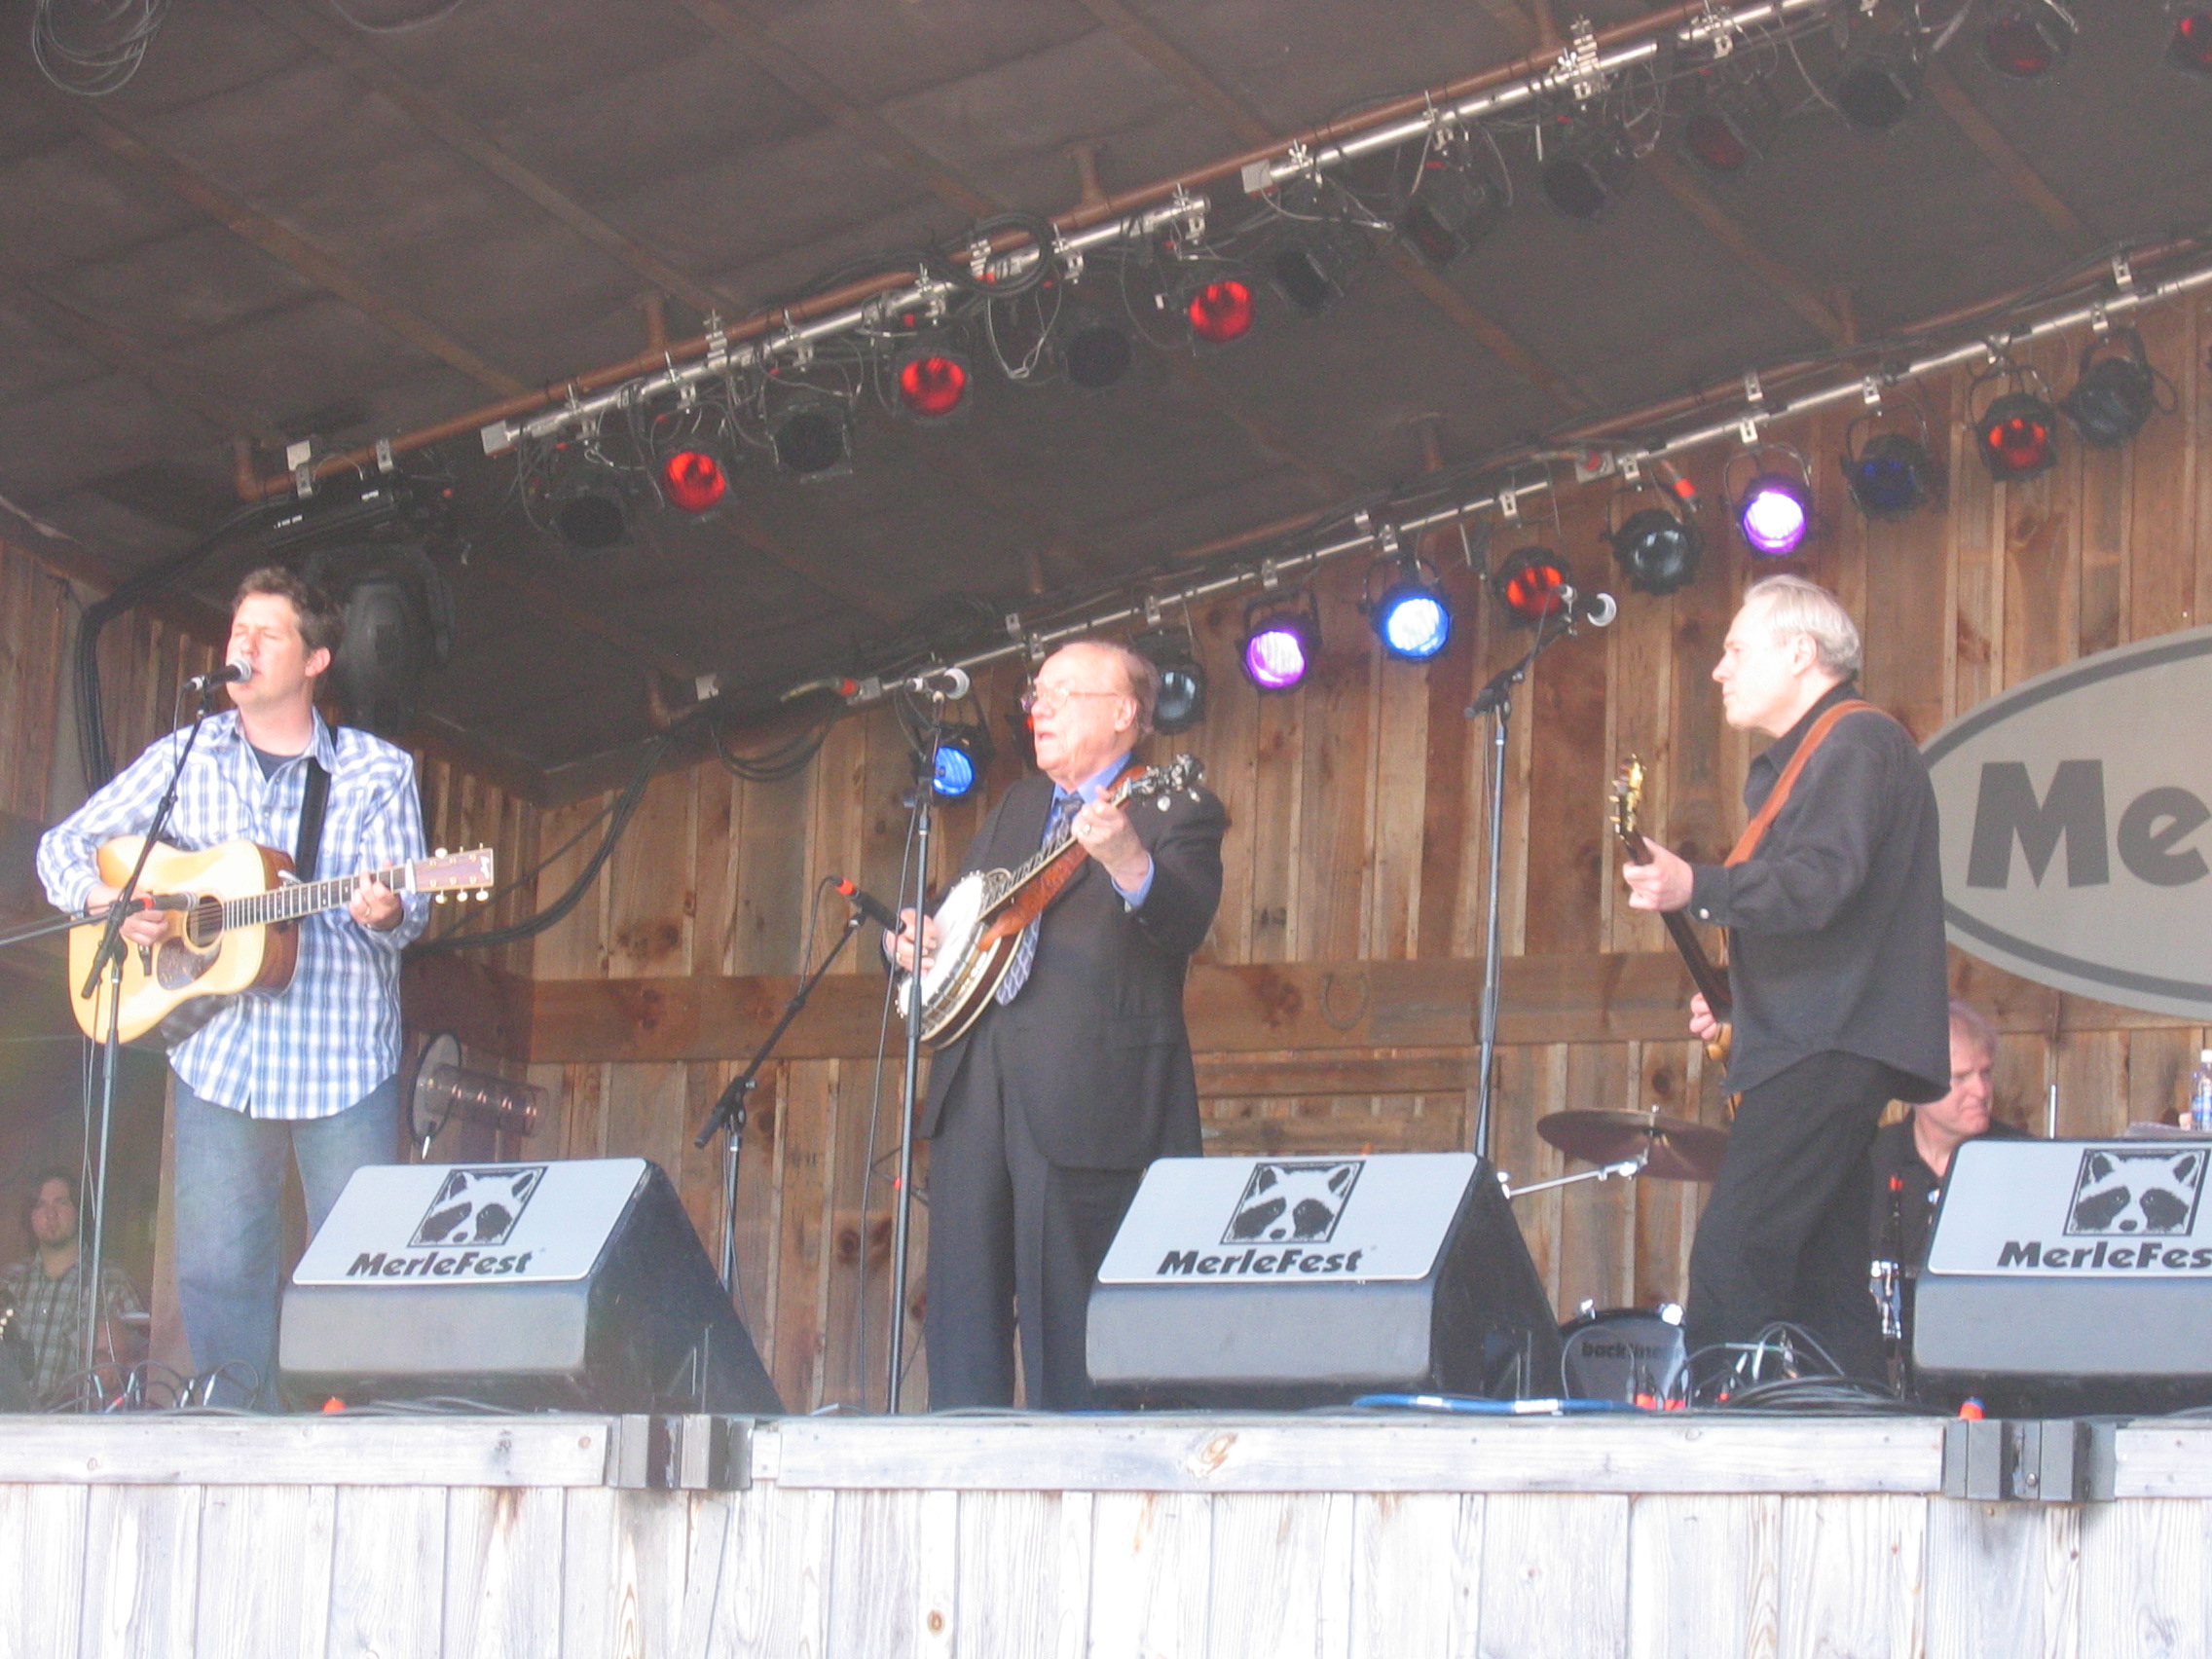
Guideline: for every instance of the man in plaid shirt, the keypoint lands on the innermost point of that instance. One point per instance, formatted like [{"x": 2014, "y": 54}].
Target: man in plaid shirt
[
  {"x": 310, "y": 1072},
  {"x": 43, "y": 1297}
]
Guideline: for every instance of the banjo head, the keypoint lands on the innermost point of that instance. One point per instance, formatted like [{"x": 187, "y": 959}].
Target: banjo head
[{"x": 959, "y": 924}]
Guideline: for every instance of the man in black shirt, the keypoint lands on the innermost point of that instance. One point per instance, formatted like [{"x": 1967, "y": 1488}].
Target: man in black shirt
[
  {"x": 1916, "y": 1150},
  {"x": 1835, "y": 920}
]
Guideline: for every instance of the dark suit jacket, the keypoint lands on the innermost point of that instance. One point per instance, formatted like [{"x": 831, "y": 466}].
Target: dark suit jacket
[{"x": 1095, "y": 1046}]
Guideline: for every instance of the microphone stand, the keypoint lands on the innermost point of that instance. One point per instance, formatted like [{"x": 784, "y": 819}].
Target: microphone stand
[
  {"x": 902, "y": 1202},
  {"x": 1495, "y": 700},
  {"x": 732, "y": 1110},
  {"x": 108, "y": 959}
]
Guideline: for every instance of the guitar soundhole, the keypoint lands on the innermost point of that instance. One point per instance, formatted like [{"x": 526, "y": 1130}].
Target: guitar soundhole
[
  {"x": 177, "y": 965},
  {"x": 203, "y": 924}
]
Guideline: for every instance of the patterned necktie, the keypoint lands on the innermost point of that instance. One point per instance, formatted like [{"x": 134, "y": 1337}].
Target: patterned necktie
[{"x": 1064, "y": 809}]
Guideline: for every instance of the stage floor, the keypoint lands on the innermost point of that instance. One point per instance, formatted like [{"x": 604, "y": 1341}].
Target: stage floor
[{"x": 1706, "y": 1535}]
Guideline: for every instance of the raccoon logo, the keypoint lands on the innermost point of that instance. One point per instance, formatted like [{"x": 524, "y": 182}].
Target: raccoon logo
[
  {"x": 1296, "y": 1203},
  {"x": 2149, "y": 1192},
  {"x": 478, "y": 1207}
]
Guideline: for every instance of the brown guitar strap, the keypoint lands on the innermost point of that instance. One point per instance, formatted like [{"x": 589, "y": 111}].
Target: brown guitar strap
[{"x": 1755, "y": 831}]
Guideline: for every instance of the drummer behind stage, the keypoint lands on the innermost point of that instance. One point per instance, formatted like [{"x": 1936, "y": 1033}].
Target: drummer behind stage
[
  {"x": 1916, "y": 1150},
  {"x": 1836, "y": 967}
]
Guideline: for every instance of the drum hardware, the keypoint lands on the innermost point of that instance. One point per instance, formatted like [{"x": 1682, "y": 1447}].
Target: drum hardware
[
  {"x": 1673, "y": 1149},
  {"x": 1606, "y": 1172}
]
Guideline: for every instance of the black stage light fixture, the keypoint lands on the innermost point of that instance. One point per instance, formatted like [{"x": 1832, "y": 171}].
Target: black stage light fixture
[
  {"x": 1880, "y": 81},
  {"x": 1216, "y": 304},
  {"x": 2190, "y": 44},
  {"x": 1095, "y": 349},
  {"x": 1281, "y": 642},
  {"x": 1182, "y": 700},
  {"x": 399, "y": 626},
  {"x": 1658, "y": 546},
  {"x": 1731, "y": 124},
  {"x": 933, "y": 380},
  {"x": 812, "y": 437},
  {"x": 692, "y": 461},
  {"x": 1587, "y": 164},
  {"x": 1311, "y": 266},
  {"x": 587, "y": 496},
  {"x": 1452, "y": 209},
  {"x": 2114, "y": 392},
  {"x": 1890, "y": 473},
  {"x": 2025, "y": 40},
  {"x": 964, "y": 755},
  {"x": 1531, "y": 584},
  {"x": 2016, "y": 434},
  {"x": 1412, "y": 618}
]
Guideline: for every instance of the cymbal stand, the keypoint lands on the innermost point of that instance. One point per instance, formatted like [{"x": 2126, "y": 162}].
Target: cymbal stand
[
  {"x": 1497, "y": 701},
  {"x": 1604, "y": 1173}
]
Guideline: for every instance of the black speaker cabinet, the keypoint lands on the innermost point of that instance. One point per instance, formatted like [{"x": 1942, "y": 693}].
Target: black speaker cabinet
[
  {"x": 2070, "y": 1277},
  {"x": 1282, "y": 1282},
  {"x": 578, "y": 1285}
]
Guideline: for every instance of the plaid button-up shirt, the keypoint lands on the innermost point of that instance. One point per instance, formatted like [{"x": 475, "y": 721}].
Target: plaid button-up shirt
[
  {"x": 49, "y": 1318},
  {"x": 323, "y": 1044}
]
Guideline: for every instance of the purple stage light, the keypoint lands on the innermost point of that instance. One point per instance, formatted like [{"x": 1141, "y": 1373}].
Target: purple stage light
[
  {"x": 1775, "y": 515},
  {"x": 1274, "y": 657}
]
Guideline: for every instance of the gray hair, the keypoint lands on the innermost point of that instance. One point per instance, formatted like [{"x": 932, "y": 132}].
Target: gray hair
[
  {"x": 1795, "y": 605},
  {"x": 1137, "y": 672},
  {"x": 1969, "y": 1021}
]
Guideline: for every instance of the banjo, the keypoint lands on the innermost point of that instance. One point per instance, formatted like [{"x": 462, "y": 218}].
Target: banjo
[{"x": 980, "y": 923}]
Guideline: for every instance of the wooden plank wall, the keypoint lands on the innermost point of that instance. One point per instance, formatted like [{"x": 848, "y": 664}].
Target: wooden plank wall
[{"x": 1357, "y": 829}]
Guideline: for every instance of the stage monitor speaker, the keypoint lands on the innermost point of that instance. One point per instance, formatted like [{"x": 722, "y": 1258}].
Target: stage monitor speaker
[
  {"x": 577, "y": 1285},
  {"x": 2069, "y": 1277},
  {"x": 1283, "y": 1282}
]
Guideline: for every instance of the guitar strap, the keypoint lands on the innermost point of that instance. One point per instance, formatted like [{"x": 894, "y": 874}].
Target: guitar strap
[
  {"x": 312, "y": 805},
  {"x": 1770, "y": 809}
]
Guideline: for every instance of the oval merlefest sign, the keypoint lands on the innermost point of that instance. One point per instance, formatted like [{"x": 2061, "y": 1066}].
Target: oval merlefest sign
[{"x": 2077, "y": 829}]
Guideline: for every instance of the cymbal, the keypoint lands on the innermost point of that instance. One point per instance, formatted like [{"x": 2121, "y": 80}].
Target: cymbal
[{"x": 1679, "y": 1149}]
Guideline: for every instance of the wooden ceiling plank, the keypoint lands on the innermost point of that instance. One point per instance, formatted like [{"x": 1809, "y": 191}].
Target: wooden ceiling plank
[
  {"x": 552, "y": 602},
  {"x": 169, "y": 381},
  {"x": 748, "y": 26},
  {"x": 364, "y": 64},
  {"x": 2013, "y": 166},
  {"x": 1794, "y": 289},
  {"x": 818, "y": 574},
  {"x": 278, "y": 241}
]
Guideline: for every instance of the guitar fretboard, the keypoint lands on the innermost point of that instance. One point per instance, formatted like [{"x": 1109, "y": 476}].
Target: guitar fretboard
[{"x": 295, "y": 900}]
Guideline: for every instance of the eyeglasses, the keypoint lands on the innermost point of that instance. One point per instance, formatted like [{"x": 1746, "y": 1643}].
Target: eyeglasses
[{"x": 1051, "y": 699}]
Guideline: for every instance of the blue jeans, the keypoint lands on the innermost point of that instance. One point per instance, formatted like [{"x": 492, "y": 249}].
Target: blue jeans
[{"x": 230, "y": 1183}]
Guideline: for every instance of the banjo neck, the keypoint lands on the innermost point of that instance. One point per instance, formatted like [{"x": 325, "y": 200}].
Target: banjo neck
[{"x": 1123, "y": 787}]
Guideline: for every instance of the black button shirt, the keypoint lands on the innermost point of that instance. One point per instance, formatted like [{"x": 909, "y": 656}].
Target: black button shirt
[
  {"x": 1900, "y": 1221},
  {"x": 1837, "y": 922}
]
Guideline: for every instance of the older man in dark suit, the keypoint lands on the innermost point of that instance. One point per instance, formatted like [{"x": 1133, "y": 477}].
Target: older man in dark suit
[{"x": 1043, "y": 1117}]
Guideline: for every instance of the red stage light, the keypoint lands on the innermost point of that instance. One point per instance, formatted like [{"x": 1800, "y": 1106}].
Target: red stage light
[
  {"x": 693, "y": 479},
  {"x": 1715, "y": 142},
  {"x": 2191, "y": 43},
  {"x": 1530, "y": 584},
  {"x": 2014, "y": 437},
  {"x": 1221, "y": 311},
  {"x": 933, "y": 385}
]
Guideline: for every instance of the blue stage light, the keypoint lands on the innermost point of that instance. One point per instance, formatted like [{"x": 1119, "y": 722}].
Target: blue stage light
[{"x": 1412, "y": 619}]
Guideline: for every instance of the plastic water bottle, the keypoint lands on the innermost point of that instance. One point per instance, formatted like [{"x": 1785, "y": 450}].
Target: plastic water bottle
[{"x": 2201, "y": 1093}]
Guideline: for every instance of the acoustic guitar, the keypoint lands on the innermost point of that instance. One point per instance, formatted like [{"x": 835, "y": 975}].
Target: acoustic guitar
[
  {"x": 231, "y": 930},
  {"x": 981, "y": 922},
  {"x": 1712, "y": 982}
]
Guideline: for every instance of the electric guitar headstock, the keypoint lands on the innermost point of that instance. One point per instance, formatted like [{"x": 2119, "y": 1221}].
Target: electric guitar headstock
[{"x": 1628, "y": 808}]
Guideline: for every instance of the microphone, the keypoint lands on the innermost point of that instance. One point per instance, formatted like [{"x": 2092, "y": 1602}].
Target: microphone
[
  {"x": 229, "y": 674},
  {"x": 869, "y": 904},
  {"x": 1597, "y": 610},
  {"x": 950, "y": 684}
]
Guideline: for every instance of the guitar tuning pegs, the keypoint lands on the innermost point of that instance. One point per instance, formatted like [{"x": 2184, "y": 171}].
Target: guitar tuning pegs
[
  {"x": 483, "y": 895},
  {"x": 441, "y": 899},
  {"x": 439, "y": 854}
]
